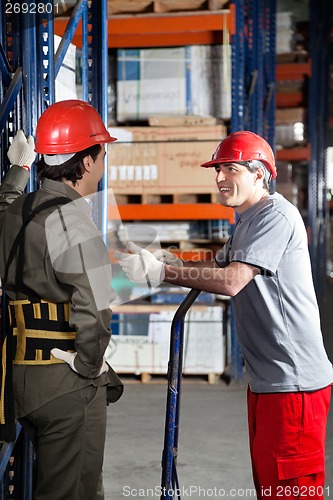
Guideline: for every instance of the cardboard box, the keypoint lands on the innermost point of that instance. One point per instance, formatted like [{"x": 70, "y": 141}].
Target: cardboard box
[
  {"x": 181, "y": 121},
  {"x": 163, "y": 160},
  {"x": 285, "y": 172},
  {"x": 129, "y": 6},
  {"x": 290, "y": 134},
  {"x": 290, "y": 115}
]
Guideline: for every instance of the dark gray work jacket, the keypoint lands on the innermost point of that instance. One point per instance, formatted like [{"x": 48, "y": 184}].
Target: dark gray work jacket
[{"x": 57, "y": 275}]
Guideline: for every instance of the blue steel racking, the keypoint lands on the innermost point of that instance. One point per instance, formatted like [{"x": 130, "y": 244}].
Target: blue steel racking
[
  {"x": 253, "y": 94},
  {"x": 28, "y": 68},
  {"x": 318, "y": 138},
  {"x": 253, "y": 67},
  {"x": 254, "y": 102}
]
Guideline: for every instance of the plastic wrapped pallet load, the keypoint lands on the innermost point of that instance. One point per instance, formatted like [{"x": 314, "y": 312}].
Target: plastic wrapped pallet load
[
  {"x": 145, "y": 347},
  {"x": 285, "y": 32},
  {"x": 65, "y": 82},
  {"x": 173, "y": 81}
]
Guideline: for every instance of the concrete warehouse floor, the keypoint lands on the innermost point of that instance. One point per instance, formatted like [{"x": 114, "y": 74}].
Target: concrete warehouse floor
[{"x": 213, "y": 445}]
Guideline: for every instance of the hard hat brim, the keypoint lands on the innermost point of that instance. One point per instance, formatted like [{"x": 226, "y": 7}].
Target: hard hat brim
[
  {"x": 75, "y": 148},
  {"x": 211, "y": 163}
]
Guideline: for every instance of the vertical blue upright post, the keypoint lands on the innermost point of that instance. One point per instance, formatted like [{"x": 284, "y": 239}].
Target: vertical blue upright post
[
  {"x": 98, "y": 76},
  {"x": 270, "y": 74},
  {"x": 85, "y": 56},
  {"x": 46, "y": 73},
  {"x": 11, "y": 80},
  {"x": 318, "y": 99},
  {"x": 313, "y": 99},
  {"x": 269, "y": 71},
  {"x": 238, "y": 69},
  {"x": 29, "y": 95},
  {"x": 324, "y": 73},
  {"x": 254, "y": 79}
]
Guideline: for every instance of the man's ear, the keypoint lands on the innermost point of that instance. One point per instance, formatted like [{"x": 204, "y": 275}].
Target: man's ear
[
  {"x": 260, "y": 174},
  {"x": 86, "y": 163}
]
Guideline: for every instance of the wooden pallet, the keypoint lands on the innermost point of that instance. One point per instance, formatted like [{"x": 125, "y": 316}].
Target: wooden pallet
[
  {"x": 162, "y": 6},
  {"x": 158, "y": 199}
]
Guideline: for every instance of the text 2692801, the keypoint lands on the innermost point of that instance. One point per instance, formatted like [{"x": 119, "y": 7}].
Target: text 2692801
[{"x": 13, "y": 7}]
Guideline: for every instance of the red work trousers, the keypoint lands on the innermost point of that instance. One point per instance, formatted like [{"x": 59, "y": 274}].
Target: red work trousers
[{"x": 287, "y": 433}]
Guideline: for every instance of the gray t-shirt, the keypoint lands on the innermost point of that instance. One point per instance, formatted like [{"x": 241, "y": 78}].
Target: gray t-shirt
[{"x": 276, "y": 314}]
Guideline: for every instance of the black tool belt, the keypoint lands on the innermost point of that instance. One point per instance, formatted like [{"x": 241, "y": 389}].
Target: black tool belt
[{"x": 37, "y": 328}]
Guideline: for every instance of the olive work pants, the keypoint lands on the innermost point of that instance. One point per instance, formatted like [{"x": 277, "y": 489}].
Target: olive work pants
[{"x": 69, "y": 437}]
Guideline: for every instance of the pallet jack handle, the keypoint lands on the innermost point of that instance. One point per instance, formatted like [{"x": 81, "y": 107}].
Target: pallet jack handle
[{"x": 169, "y": 483}]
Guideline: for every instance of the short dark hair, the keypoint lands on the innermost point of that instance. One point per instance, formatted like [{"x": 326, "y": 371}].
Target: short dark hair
[{"x": 72, "y": 170}]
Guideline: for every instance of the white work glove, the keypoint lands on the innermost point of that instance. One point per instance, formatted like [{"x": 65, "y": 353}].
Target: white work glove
[
  {"x": 141, "y": 266},
  {"x": 21, "y": 151},
  {"x": 69, "y": 357},
  {"x": 168, "y": 258}
]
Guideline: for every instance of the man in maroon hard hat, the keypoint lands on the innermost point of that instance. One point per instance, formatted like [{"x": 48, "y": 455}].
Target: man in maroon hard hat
[
  {"x": 265, "y": 269},
  {"x": 51, "y": 254}
]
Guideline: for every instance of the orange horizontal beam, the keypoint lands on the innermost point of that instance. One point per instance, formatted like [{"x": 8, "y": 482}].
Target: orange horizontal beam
[
  {"x": 171, "y": 23},
  {"x": 164, "y": 40},
  {"x": 155, "y": 30},
  {"x": 293, "y": 154},
  {"x": 173, "y": 211},
  {"x": 291, "y": 71}
]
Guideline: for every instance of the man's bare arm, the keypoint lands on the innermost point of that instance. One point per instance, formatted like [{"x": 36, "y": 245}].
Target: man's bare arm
[
  {"x": 228, "y": 280},
  {"x": 199, "y": 263}
]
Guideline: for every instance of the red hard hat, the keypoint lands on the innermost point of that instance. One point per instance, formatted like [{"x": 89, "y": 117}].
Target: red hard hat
[
  {"x": 68, "y": 127},
  {"x": 244, "y": 146}
]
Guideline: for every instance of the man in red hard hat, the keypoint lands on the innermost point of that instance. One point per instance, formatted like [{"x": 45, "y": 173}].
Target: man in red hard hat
[
  {"x": 51, "y": 257},
  {"x": 265, "y": 269}
]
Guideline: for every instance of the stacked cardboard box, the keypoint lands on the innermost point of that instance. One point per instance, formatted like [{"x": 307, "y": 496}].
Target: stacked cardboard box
[
  {"x": 161, "y": 6},
  {"x": 290, "y": 127},
  {"x": 285, "y": 184},
  {"x": 285, "y": 32},
  {"x": 163, "y": 160}
]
